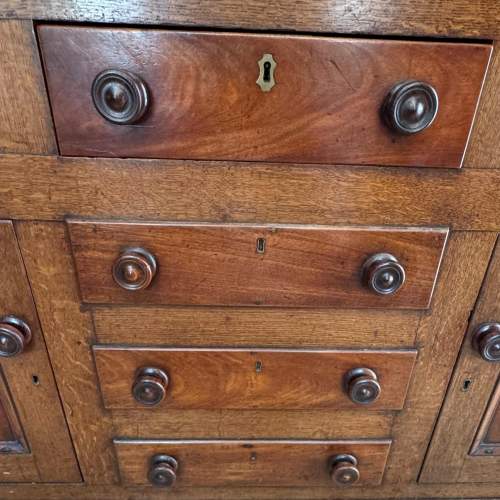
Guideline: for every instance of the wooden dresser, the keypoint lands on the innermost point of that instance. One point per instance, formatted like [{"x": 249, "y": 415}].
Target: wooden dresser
[{"x": 250, "y": 249}]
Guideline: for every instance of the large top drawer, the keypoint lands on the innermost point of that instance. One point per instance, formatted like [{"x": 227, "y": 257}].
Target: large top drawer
[{"x": 196, "y": 95}]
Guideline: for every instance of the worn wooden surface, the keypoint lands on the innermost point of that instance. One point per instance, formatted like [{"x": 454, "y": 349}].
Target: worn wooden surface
[
  {"x": 37, "y": 187},
  {"x": 245, "y": 327},
  {"x": 460, "y": 18},
  {"x": 230, "y": 378},
  {"x": 448, "y": 458},
  {"x": 439, "y": 337},
  {"x": 206, "y": 103},
  {"x": 484, "y": 148},
  {"x": 475, "y": 491},
  {"x": 252, "y": 463},
  {"x": 38, "y": 407},
  {"x": 252, "y": 424},
  {"x": 209, "y": 264},
  {"x": 68, "y": 332},
  {"x": 25, "y": 120}
]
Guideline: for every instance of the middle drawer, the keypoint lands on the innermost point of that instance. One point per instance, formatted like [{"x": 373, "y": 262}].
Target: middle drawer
[
  {"x": 213, "y": 379},
  {"x": 256, "y": 265}
]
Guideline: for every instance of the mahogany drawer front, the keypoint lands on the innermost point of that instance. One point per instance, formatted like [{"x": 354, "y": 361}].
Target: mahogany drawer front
[
  {"x": 245, "y": 265},
  {"x": 241, "y": 463},
  {"x": 252, "y": 378},
  {"x": 202, "y": 101}
]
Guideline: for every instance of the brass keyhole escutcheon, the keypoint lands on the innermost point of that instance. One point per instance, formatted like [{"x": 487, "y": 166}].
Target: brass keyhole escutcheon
[{"x": 267, "y": 65}]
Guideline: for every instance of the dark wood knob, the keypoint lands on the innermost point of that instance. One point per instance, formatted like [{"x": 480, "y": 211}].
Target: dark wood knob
[
  {"x": 120, "y": 96},
  {"x": 344, "y": 470},
  {"x": 163, "y": 471},
  {"x": 410, "y": 107},
  {"x": 15, "y": 335},
  {"x": 150, "y": 386},
  {"x": 134, "y": 269},
  {"x": 383, "y": 274},
  {"x": 362, "y": 386},
  {"x": 486, "y": 340}
]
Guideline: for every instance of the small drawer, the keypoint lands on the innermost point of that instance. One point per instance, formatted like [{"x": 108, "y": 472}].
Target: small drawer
[
  {"x": 244, "y": 265},
  {"x": 333, "y": 464},
  {"x": 256, "y": 97},
  {"x": 213, "y": 379}
]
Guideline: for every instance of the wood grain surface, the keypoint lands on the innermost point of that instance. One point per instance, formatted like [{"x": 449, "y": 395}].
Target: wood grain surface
[
  {"x": 252, "y": 379},
  {"x": 255, "y": 327},
  {"x": 448, "y": 458},
  {"x": 439, "y": 336},
  {"x": 252, "y": 424},
  {"x": 51, "y": 188},
  {"x": 69, "y": 335},
  {"x": 325, "y": 107},
  {"x": 484, "y": 147},
  {"x": 50, "y": 457},
  {"x": 25, "y": 119},
  {"x": 460, "y": 18},
  {"x": 252, "y": 463},
  {"x": 209, "y": 264},
  {"x": 473, "y": 491}
]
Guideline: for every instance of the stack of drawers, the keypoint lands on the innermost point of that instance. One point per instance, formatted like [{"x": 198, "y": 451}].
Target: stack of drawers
[{"x": 278, "y": 321}]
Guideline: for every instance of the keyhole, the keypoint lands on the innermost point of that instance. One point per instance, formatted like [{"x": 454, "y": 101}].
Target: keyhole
[{"x": 267, "y": 71}]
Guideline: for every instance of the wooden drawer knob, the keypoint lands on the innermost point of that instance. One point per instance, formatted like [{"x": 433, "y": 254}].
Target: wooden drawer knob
[
  {"x": 486, "y": 341},
  {"x": 383, "y": 274},
  {"x": 410, "y": 107},
  {"x": 134, "y": 269},
  {"x": 15, "y": 335},
  {"x": 344, "y": 470},
  {"x": 150, "y": 386},
  {"x": 162, "y": 471},
  {"x": 120, "y": 96},
  {"x": 362, "y": 386}
]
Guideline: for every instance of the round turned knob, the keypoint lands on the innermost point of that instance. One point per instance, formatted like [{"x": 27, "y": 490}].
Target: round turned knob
[
  {"x": 362, "y": 385},
  {"x": 383, "y": 274},
  {"x": 134, "y": 269},
  {"x": 15, "y": 335},
  {"x": 120, "y": 96},
  {"x": 150, "y": 386},
  {"x": 163, "y": 471},
  {"x": 344, "y": 470},
  {"x": 410, "y": 107},
  {"x": 486, "y": 340}
]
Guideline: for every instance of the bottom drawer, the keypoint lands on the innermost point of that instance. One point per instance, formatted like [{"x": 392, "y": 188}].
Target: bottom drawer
[{"x": 258, "y": 463}]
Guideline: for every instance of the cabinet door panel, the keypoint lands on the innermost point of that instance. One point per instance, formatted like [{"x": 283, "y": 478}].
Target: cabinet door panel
[
  {"x": 466, "y": 443},
  {"x": 36, "y": 445}
]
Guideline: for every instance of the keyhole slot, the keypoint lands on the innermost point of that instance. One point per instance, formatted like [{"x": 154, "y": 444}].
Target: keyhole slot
[
  {"x": 261, "y": 245},
  {"x": 267, "y": 72}
]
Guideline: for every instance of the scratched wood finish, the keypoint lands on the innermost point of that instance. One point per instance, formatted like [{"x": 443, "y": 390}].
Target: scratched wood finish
[
  {"x": 484, "y": 148},
  {"x": 472, "y": 491},
  {"x": 252, "y": 424},
  {"x": 252, "y": 379},
  {"x": 51, "y": 456},
  {"x": 448, "y": 458},
  {"x": 245, "y": 327},
  {"x": 51, "y": 188},
  {"x": 460, "y": 18},
  {"x": 25, "y": 121},
  {"x": 210, "y": 264},
  {"x": 69, "y": 333},
  {"x": 207, "y": 105},
  {"x": 252, "y": 463}
]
